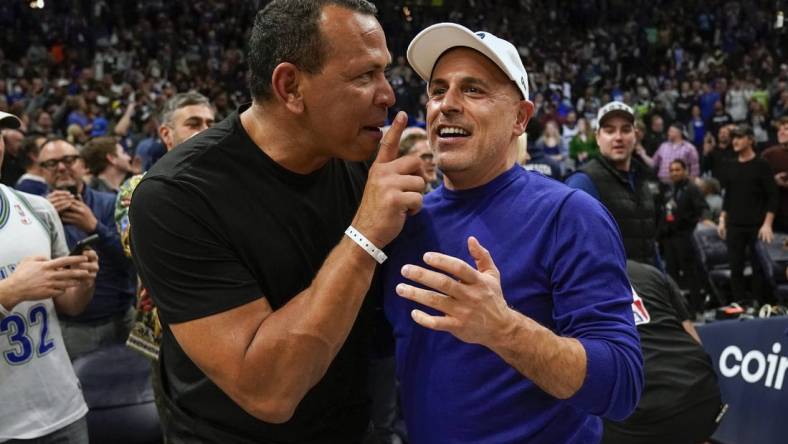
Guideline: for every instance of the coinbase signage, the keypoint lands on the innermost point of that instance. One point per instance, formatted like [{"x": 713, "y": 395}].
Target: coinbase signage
[
  {"x": 751, "y": 361},
  {"x": 754, "y": 366}
]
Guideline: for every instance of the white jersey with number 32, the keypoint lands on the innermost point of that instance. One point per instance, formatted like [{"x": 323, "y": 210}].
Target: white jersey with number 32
[{"x": 38, "y": 388}]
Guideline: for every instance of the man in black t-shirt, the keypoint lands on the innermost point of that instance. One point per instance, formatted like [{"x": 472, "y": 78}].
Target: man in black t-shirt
[
  {"x": 719, "y": 119},
  {"x": 681, "y": 398},
  {"x": 721, "y": 156},
  {"x": 748, "y": 209},
  {"x": 258, "y": 238}
]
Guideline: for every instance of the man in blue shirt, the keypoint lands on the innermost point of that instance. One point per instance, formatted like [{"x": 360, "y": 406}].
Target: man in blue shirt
[
  {"x": 507, "y": 292},
  {"x": 84, "y": 211}
]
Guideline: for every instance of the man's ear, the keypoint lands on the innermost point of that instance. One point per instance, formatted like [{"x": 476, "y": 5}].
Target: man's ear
[
  {"x": 165, "y": 132},
  {"x": 525, "y": 110},
  {"x": 286, "y": 82}
]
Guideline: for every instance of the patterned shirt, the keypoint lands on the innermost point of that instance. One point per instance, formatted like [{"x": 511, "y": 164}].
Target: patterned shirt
[{"x": 668, "y": 152}]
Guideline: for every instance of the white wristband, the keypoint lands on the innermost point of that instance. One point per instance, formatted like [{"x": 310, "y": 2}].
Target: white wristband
[{"x": 364, "y": 243}]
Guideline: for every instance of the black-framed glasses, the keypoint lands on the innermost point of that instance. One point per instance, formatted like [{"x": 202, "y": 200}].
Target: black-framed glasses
[{"x": 52, "y": 163}]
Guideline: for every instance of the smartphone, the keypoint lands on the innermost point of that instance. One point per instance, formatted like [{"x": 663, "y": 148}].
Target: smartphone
[
  {"x": 84, "y": 243},
  {"x": 70, "y": 188}
]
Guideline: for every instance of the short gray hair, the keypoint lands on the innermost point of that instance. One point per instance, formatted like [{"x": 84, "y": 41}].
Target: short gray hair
[
  {"x": 290, "y": 31},
  {"x": 179, "y": 101}
]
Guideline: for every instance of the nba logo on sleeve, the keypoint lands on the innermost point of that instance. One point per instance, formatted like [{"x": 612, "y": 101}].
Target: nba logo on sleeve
[
  {"x": 639, "y": 309},
  {"x": 22, "y": 215}
]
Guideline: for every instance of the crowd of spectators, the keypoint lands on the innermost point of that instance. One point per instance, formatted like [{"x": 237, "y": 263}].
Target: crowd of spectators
[
  {"x": 89, "y": 80},
  {"x": 86, "y": 68},
  {"x": 83, "y": 69}
]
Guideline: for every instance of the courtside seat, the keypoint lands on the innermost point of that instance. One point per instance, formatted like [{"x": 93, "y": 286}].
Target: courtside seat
[
  {"x": 116, "y": 382},
  {"x": 772, "y": 269},
  {"x": 713, "y": 258}
]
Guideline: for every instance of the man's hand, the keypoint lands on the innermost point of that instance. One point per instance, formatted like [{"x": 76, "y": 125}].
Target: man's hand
[
  {"x": 61, "y": 200},
  {"x": 81, "y": 216},
  {"x": 472, "y": 299},
  {"x": 38, "y": 278},
  {"x": 765, "y": 233},
  {"x": 781, "y": 179},
  {"x": 91, "y": 266},
  {"x": 708, "y": 146},
  {"x": 721, "y": 231},
  {"x": 393, "y": 189},
  {"x": 125, "y": 201}
]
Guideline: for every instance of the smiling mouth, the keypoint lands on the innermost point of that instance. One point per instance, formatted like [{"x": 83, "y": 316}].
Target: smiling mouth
[{"x": 451, "y": 132}]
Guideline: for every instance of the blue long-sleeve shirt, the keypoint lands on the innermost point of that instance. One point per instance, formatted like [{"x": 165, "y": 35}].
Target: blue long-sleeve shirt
[
  {"x": 116, "y": 279},
  {"x": 563, "y": 265}
]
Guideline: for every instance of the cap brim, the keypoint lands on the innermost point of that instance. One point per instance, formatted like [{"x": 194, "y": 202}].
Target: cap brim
[
  {"x": 9, "y": 121},
  {"x": 741, "y": 134},
  {"x": 427, "y": 47},
  {"x": 617, "y": 112}
]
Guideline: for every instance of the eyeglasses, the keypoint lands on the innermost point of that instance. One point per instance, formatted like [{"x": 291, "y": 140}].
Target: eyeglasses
[{"x": 52, "y": 163}]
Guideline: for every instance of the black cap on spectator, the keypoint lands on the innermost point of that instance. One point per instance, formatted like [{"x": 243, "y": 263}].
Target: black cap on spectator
[{"x": 742, "y": 131}]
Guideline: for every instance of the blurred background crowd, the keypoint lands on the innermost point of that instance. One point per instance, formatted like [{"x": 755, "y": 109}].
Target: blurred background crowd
[
  {"x": 84, "y": 68},
  {"x": 101, "y": 75}
]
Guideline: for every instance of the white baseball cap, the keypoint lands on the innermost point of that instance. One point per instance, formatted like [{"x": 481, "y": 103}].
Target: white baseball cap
[
  {"x": 619, "y": 108},
  {"x": 427, "y": 47},
  {"x": 9, "y": 121}
]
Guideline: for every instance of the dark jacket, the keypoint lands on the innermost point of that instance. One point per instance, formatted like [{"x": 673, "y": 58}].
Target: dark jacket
[
  {"x": 116, "y": 280},
  {"x": 684, "y": 207},
  {"x": 630, "y": 199}
]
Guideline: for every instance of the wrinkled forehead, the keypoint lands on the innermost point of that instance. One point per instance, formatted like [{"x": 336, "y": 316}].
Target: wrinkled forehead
[
  {"x": 200, "y": 111},
  {"x": 56, "y": 149}
]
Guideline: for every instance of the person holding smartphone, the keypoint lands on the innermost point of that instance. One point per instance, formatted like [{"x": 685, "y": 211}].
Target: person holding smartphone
[
  {"x": 38, "y": 281},
  {"x": 83, "y": 212}
]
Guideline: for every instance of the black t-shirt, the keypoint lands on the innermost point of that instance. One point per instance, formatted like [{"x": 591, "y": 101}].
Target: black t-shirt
[
  {"x": 216, "y": 224},
  {"x": 678, "y": 372},
  {"x": 750, "y": 192},
  {"x": 718, "y": 161},
  {"x": 717, "y": 121},
  {"x": 683, "y": 107}
]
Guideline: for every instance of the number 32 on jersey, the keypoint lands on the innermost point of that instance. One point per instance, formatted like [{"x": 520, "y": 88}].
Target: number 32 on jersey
[{"x": 18, "y": 329}]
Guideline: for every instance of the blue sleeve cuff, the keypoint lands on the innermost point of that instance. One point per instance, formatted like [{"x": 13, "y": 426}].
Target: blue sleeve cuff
[
  {"x": 595, "y": 393},
  {"x": 605, "y": 382}
]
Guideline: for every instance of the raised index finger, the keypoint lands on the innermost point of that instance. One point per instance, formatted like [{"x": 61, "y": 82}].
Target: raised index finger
[{"x": 389, "y": 145}]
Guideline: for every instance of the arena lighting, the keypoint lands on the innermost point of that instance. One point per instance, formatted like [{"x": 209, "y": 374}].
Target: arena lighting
[{"x": 37, "y": 4}]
